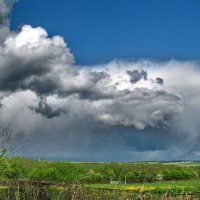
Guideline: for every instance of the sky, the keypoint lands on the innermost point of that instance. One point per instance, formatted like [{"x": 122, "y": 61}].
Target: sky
[
  {"x": 101, "y": 81},
  {"x": 100, "y": 31}
]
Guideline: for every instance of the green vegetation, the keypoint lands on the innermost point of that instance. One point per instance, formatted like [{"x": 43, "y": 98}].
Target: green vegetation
[
  {"x": 25, "y": 168},
  {"x": 147, "y": 180},
  {"x": 158, "y": 186}
]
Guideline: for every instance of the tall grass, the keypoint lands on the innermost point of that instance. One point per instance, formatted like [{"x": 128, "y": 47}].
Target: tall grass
[{"x": 32, "y": 190}]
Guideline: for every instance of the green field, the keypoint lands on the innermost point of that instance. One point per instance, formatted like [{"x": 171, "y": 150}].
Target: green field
[
  {"x": 158, "y": 186},
  {"x": 86, "y": 172},
  {"x": 150, "y": 180}
]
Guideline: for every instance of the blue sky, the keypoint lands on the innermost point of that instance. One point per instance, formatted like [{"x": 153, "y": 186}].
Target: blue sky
[{"x": 100, "y": 31}]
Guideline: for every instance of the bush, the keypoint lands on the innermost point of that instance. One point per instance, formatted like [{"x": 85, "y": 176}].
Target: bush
[
  {"x": 16, "y": 173},
  {"x": 44, "y": 174},
  {"x": 93, "y": 178},
  {"x": 130, "y": 177},
  {"x": 4, "y": 167}
]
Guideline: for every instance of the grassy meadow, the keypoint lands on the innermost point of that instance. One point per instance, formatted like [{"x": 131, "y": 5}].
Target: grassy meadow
[{"x": 24, "y": 178}]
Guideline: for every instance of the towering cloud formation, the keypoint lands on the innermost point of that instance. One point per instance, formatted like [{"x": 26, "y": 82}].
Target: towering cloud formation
[
  {"x": 40, "y": 81},
  {"x": 29, "y": 55},
  {"x": 44, "y": 109},
  {"x": 32, "y": 61}
]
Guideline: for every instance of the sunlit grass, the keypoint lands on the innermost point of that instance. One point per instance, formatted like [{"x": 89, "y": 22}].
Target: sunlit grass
[
  {"x": 161, "y": 186},
  {"x": 3, "y": 187}
]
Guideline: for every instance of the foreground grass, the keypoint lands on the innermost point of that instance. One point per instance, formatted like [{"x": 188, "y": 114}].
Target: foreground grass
[
  {"x": 190, "y": 186},
  {"x": 174, "y": 190}
]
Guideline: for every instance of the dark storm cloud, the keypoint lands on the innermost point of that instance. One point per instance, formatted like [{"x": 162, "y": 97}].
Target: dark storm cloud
[
  {"x": 159, "y": 81},
  {"x": 46, "y": 110},
  {"x": 43, "y": 85},
  {"x": 137, "y": 75},
  {"x": 14, "y": 78}
]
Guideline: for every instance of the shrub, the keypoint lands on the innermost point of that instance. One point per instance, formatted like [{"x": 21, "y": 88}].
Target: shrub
[
  {"x": 4, "y": 167},
  {"x": 44, "y": 174}
]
